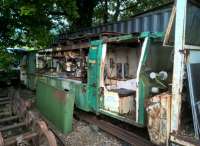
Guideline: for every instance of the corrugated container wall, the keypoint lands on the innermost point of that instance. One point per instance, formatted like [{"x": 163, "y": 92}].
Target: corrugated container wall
[{"x": 154, "y": 20}]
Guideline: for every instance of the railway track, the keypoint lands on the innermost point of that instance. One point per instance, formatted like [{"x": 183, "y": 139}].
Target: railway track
[
  {"x": 18, "y": 127},
  {"x": 127, "y": 136}
]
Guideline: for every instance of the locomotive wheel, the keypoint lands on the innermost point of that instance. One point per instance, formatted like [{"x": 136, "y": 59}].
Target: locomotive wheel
[
  {"x": 45, "y": 136},
  {"x": 41, "y": 126}
]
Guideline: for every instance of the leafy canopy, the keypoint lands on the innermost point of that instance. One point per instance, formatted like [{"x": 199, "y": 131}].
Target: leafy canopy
[
  {"x": 33, "y": 23},
  {"x": 113, "y": 10}
]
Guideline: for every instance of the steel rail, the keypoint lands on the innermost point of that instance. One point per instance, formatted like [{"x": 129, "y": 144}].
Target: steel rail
[
  {"x": 5, "y": 113},
  {"x": 5, "y": 98},
  {"x": 9, "y": 127},
  {"x": 114, "y": 130},
  {"x": 13, "y": 140},
  {"x": 5, "y": 102},
  {"x": 9, "y": 119}
]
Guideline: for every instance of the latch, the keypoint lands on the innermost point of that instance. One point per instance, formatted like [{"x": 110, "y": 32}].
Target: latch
[
  {"x": 93, "y": 47},
  {"x": 92, "y": 61}
]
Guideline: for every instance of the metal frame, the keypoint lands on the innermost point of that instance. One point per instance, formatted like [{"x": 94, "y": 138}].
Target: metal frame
[{"x": 178, "y": 70}]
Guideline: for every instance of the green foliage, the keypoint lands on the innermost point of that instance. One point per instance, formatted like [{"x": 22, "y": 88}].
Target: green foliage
[
  {"x": 6, "y": 60},
  {"x": 85, "y": 12},
  {"x": 122, "y": 9},
  {"x": 27, "y": 10},
  {"x": 30, "y": 22},
  {"x": 33, "y": 23},
  {"x": 140, "y": 6}
]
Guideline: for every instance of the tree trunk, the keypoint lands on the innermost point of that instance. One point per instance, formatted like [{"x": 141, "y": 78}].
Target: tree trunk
[
  {"x": 85, "y": 11},
  {"x": 105, "y": 18},
  {"x": 117, "y": 12}
]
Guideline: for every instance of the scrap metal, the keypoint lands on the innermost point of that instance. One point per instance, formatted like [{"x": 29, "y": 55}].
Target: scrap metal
[
  {"x": 158, "y": 113},
  {"x": 35, "y": 131}
]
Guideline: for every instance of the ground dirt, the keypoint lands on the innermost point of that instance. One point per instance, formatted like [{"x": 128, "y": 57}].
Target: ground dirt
[{"x": 84, "y": 134}]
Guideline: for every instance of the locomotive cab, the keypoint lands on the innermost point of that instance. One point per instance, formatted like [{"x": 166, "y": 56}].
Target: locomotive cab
[{"x": 133, "y": 70}]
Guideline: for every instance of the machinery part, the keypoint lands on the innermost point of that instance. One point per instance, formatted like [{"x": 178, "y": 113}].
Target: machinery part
[
  {"x": 163, "y": 75},
  {"x": 20, "y": 106},
  {"x": 30, "y": 117},
  {"x": 50, "y": 137},
  {"x": 155, "y": 90},
  {"x": 42, "y": 126},
  {"x": 152, "y": 75},
  {"x": 45, "y": 135},
  {"x": 1, "y": 140}
]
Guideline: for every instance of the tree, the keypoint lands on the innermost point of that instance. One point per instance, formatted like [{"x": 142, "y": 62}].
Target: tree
[
  {"x": 33, "y": 22},
  {"x": 135, "y": 7},
  {"x": 85, "y": 12},
  {"x": 114, "y": 10}
]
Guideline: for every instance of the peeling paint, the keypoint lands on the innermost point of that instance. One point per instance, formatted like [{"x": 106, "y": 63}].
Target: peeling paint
[{"x": 158, "y": 113}]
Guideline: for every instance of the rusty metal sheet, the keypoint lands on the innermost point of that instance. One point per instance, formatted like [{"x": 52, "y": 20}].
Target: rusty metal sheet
[{"x": 158, "y": 113}]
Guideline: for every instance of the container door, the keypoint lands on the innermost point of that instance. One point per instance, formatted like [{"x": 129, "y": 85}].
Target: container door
[{"x": 94, "y": 61}]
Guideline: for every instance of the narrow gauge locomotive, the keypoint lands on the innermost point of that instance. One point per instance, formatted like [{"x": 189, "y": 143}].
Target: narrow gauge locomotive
[
  {"x": 118, "y": 75},
  {"x": 111, "y": 73}
]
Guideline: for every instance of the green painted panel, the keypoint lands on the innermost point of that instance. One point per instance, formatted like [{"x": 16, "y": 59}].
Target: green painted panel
[
  {"x": 80, "y": 90},
  {"x": 31, "y": 81},
  {"x": 56, "y": 105},
  {"x": 81, "y": 98},
  {"x": 144, "y": 86},
  {"x": 31, "y": 63},
  {"x": 95, "y": 54}
]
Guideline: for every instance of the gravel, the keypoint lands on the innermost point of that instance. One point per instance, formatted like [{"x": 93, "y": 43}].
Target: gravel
[{"x": 89, "y": 135}]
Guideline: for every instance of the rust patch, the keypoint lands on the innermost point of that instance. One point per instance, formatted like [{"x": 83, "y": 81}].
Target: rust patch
[
  {"x": 60, "y": 96},
  {"x": 158, "y": 113}
]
